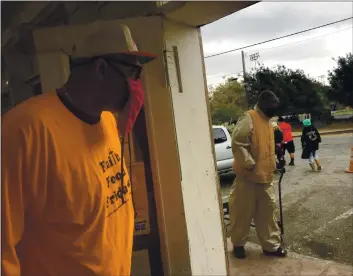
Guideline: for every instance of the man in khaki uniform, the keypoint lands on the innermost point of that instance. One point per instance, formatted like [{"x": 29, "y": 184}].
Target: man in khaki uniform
[{"x": 252, "y": 194}]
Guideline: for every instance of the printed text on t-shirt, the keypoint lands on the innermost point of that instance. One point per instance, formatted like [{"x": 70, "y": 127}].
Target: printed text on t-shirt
[{"x": 115, "y": 191}]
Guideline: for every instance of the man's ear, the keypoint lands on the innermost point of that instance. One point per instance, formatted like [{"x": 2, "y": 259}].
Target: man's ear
[{"x": 101, "y": 69}]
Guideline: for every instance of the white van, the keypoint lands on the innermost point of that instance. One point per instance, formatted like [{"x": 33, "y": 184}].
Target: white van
[{"x": 223, "y": 149}]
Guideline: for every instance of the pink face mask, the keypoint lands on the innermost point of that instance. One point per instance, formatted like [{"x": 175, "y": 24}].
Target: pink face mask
[{"x": 132, "y": 109}]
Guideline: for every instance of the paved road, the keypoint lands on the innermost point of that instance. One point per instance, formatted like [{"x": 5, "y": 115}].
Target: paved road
[{"x": 318, "y": 207}]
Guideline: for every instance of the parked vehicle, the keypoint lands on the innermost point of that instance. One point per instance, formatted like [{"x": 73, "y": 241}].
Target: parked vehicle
[{"x": 223, "y": 149}]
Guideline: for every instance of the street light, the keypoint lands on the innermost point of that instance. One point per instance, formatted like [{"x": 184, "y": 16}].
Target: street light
[{"x": 255, "y": 56}]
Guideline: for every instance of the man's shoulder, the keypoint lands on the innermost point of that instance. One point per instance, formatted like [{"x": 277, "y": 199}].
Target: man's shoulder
[
  {"x": 109, "y": 118},
  {"x": 107, "y": 115},
  {"x": 244, "y": 117},
  {"x": 29, "y": 112},
  {"x": 251, "y": 112},
  {"x": 244, "y": 121},
  {"x": 248, "y": 113},
  {"x": 110, "y": 121}
]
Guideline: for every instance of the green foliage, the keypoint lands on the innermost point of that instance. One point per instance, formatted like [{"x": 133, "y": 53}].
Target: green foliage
[
  {"x": 227, "y": 102},
  {"x": 230, "y": 127},
  {"x": 297, "y": 92},
  {"x": 341, "y": 81}
]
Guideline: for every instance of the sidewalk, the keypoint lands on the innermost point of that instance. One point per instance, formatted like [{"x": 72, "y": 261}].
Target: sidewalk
[
  {"x": 327, "y": 132},
  {"x": 294, "y": 264}
]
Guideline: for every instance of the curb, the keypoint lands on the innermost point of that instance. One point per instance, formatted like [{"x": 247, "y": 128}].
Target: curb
[{"x": 330, "y": 132}]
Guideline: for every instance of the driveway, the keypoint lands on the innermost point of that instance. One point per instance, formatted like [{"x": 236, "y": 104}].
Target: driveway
[{"x": 318, "y": 206}]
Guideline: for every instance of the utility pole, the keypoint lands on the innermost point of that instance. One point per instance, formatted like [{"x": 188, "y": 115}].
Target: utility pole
[
  {"x": 243, "y": 61},
  {"x": 244, "y": 76}
]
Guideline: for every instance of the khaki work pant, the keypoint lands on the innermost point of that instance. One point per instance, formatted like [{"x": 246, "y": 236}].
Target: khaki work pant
[{"x": 248, "y": 200}]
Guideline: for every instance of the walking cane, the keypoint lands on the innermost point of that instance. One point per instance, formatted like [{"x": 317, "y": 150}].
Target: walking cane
[{"x": 280, "y": 222}]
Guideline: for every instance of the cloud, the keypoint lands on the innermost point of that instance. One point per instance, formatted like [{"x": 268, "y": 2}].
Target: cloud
[
  {"x": 266, "y": 20},
  {"x": 224, "y": 63}
]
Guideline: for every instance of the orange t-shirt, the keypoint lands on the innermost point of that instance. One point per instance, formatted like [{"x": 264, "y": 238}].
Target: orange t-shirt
[
  {"x": 287, "y": 132},
  {"x": 62, "y": 208}
]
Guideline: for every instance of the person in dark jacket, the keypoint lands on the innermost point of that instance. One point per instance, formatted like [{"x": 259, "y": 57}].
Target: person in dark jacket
[{"x": 310, "y": 142}]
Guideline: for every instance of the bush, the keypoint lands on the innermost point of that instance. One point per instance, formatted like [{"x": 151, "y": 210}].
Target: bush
[
  {"x": 326, "y": 117},
  {"x": 230, "y": 128}
]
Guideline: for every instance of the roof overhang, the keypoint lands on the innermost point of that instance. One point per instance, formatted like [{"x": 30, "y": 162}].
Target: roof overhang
[
  {"x": 200, "y": 13},
  {"x": 23, "y": 17}
]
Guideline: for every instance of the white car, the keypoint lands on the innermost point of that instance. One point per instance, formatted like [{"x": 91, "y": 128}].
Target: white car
[{"x": 223, "y": 149}]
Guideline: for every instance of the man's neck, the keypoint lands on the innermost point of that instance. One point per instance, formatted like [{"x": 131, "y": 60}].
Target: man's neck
[{"x": 81, "y": 99}]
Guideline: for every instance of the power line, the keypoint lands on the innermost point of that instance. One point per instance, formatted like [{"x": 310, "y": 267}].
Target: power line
[
  {"x": 284, "y": 36},
  {"x": 271, "y": 48},
  {"x": 311, "y": 38},
  {"x": 226, "y": 75}
]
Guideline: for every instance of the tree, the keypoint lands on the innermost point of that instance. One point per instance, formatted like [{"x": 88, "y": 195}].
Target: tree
[
  {"x": 341, "y": 81},
  {"x": 227, "y": 102},
  {"x": 297, "y": 92}
]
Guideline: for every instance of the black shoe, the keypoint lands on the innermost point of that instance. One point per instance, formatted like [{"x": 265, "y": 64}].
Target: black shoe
[
  {"x": 239, "y": 252},
  {"x": 291, "y": 163},
  {"x": 281, "y": 252}
]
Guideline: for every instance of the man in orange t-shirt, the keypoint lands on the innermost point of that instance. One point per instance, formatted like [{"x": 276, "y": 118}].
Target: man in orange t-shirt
[
  {"x": 288, "y": 143},
  {"x": 66, "y": 194}
]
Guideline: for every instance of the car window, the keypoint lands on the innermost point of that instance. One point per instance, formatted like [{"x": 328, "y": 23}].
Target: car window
[{"x": 219, "y": 136}]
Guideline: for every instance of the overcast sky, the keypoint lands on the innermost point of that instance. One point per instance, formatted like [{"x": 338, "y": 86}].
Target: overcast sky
[{"x": 267, "y": 20}]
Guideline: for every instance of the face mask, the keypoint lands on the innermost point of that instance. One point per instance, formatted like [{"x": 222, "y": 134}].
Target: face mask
[{"x": 127, "y": 117}]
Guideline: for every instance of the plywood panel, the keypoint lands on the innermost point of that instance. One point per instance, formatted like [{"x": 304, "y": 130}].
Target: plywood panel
[
  {"x": 140, "y": 263},
  {"x": 142, "y": 223}
]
